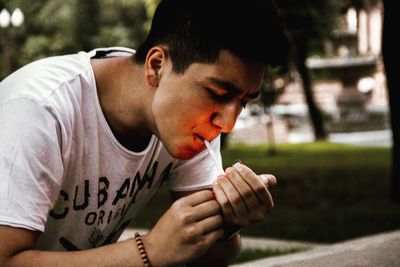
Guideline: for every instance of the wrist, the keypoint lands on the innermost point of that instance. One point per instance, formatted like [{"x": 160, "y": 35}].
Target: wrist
[
  {"x": 142, "y": 250},
  {"x": 229, "y": 232},
  {"x": 158, "y": 256}
]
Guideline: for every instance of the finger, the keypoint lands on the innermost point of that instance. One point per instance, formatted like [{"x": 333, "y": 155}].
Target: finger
[
  {"x": 246, "y": 192},
  {"x": 207, "y": 209},
  {"x": 213, "y": 236},
  {"x": 254, "y": 181},
  {"x": 268, "y": 179},
  {"x": 210, "y": 224},
  {"x": 198, "y": 197},
  {"x": 270, "y": 201},
  {"x": 223, "y": 202},
  {"x": 236, "y": 201}
]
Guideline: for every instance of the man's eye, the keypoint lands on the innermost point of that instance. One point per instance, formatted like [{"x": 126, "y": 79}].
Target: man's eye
[
  {"x": 220, "y": 96},
  {"x": 226, "y": 96}
]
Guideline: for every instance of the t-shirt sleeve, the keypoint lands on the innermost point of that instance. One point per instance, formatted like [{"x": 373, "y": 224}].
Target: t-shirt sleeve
[
  {"x": 197, "y": 173},
  {"x": 30, "y": 163}
]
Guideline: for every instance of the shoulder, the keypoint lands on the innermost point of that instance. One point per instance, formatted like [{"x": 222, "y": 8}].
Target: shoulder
[{"x": 39, "y": 79}]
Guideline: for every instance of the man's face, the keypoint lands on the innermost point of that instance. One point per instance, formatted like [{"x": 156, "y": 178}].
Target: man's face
[{"x": 202, "y": 102}]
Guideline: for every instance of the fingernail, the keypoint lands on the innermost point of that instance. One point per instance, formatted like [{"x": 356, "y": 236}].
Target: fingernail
[
  {"x": 238, "y": 161},
  {"x": 237, "y": 164}
]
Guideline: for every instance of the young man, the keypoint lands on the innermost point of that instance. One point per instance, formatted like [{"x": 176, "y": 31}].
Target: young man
[{"x": 87, "y": 139}]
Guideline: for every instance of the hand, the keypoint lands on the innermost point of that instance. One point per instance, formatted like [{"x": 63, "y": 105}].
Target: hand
[
  {"x": 243, "y": 195},
  {"x": 186, "y": 231}
]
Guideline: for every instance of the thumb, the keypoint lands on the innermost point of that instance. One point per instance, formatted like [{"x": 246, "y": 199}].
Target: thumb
[{"x": 268, "y": 179}]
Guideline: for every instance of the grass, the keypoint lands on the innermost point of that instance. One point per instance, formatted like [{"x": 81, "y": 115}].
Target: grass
[{"x": 325, "y": 193}]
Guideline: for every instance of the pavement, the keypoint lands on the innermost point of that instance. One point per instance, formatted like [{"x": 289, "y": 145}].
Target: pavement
[
  {"x": 380, "y": 250},
  {"x": 257, "y": 134},
  {"x": 381, "y": 138}
]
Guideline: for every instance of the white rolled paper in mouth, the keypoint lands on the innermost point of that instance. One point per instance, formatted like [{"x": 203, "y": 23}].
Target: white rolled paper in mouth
[{"x": 214, "y": 157}]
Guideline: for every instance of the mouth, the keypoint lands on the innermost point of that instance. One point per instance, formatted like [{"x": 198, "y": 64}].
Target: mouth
[
  {"x": 202, "y": 139},
  {"x": 199, "y": 137}
]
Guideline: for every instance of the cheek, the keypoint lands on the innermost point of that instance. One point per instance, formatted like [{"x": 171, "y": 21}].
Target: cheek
[
  {"x": 191, "y": 111},
  {"x": 170, "y": 118},
  {"x": 178, "y": 112}
]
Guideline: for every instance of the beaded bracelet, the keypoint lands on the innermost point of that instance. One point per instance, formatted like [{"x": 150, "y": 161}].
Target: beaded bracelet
[{"x": 142, "y": 251}]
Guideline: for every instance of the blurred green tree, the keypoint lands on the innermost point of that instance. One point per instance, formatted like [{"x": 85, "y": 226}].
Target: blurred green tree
[
  {"x": 86, "y": 24},
  {"x": 122, "y": 23},
  {"x": 273, "y": 85},
  {"x": 54, "y": 27},
  {"x": 309, "y": 23}
]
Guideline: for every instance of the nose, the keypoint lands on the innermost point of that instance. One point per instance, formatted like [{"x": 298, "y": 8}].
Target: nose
[{"x": 225, "y": 117}]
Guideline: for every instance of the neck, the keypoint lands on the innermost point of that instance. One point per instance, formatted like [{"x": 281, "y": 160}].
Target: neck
[{"x": 122, "y": 96}]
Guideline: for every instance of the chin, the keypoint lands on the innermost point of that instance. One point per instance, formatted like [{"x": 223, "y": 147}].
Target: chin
[{"x": 185, "y": 153}]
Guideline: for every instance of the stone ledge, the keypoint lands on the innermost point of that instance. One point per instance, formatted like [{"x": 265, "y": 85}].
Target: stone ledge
[{"x": 376, "y": 250}]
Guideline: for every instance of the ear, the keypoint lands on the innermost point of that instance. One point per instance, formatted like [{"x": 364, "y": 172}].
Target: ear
[{"x": 155, "y": 61}]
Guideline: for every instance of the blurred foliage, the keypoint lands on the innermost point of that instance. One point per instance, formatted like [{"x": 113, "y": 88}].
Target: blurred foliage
[
  {"x": 54, "y": 27},
  {"x": 310, "y": 21},
  {"x": 309, "y": 24},
  {"x": 273, "y": 85},
  {"x": 359, "y": 4},
  {"x": 67, "y": 26}
]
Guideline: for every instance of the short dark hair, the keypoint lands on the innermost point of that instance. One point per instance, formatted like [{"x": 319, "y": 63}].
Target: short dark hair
[{"x": 197, "y": 30}]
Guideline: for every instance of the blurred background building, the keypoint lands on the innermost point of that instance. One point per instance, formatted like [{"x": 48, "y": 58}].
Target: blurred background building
[{"x": 348, "y": 82}]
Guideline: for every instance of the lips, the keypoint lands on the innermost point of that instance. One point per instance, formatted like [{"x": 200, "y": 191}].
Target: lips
[
  {"x": 202, "y": 137},
  {"x": 199, "y": 138}
]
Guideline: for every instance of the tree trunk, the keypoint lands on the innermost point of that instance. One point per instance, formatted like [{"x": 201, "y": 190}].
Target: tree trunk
[
  {"x": 270, "y": 132},
  {"x": 391, "y": 59},
  {"x": 315, "y": 113}
]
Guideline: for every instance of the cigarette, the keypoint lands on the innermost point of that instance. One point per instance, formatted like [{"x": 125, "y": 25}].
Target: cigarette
[{"x": 214, "y": 157}]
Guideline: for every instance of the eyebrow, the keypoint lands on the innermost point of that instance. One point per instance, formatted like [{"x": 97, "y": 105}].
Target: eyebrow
[{"x": 232, "y": 88}]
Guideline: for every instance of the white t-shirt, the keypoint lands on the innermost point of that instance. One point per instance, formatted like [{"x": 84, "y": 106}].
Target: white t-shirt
[{"x": 62, "y": 172}]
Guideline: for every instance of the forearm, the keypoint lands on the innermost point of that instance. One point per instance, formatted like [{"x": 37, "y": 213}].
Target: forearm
[
  {"x": 220, "y": 254},
  {"x": 120, "y": 254}
]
